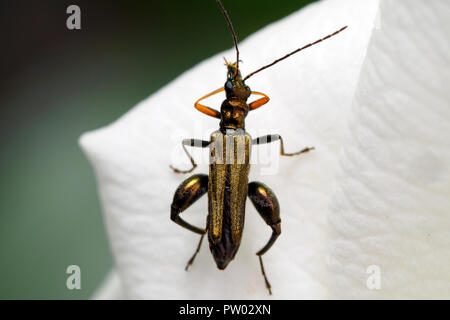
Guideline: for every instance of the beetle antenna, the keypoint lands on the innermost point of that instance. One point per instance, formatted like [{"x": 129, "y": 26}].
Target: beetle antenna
[
  {"x": 295, "y": 51},
  {"x": 230, "y": 25}
]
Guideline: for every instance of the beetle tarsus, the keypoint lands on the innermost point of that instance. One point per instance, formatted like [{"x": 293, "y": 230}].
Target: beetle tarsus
[
  {"x": 191, "y": 260},
  {"x": 183, "y": 171},
  {"x": 307, "y": 149},
  {"x": 268, "y": 286}
]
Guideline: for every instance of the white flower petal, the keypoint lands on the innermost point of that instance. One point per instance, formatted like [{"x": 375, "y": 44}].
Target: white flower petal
[{"x": 392, "y": 195}]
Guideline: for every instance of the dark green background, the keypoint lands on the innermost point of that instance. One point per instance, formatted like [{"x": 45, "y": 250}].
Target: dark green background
[{"x": 56, "y": 84}]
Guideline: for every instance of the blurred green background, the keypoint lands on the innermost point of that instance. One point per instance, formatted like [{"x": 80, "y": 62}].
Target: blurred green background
[{"x": 56, "y": 84}]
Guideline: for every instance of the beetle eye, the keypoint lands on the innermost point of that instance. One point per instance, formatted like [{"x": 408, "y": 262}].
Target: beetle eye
[{"x": 228, "y": 86}]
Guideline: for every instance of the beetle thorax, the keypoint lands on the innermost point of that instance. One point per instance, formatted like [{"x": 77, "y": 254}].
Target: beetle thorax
[{"x": 233, "y": 113}]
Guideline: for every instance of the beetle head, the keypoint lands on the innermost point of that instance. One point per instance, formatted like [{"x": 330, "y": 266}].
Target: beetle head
[{"x": 235, "y": 85}]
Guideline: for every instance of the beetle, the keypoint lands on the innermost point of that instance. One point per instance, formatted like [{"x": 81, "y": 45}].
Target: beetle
[{"x": 227, "y": 183}]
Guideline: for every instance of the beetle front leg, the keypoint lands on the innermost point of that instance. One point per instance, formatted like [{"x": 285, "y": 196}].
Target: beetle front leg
[
  {"x": 260, "y": 102},
  {"x": 267, "y": 205},
  {"x": 275, "y": 137},
  {"x": 207, "y": 110},
  {"x": 189, "y": 191}
]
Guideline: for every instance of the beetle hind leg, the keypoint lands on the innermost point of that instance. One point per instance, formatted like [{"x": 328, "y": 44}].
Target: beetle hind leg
[
  {"x": 267, "y": 205},
  {"x": 189, "y": 191}
]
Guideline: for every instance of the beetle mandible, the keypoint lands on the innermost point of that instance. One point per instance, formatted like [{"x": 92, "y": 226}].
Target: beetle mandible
[{"x": 227, "y": 183}]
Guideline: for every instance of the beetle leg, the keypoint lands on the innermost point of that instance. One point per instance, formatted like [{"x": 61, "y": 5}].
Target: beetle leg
[
  {"x": 191, "y": 260},
  {"x": 266, "y": 204},
  {"x": 189, "y": 191},
  {"x": 275, "y": 137},
  {"x": 207, "y": 110},
  {"x": 260, "y": 102},
  {"x": 191, "y": 143}
]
